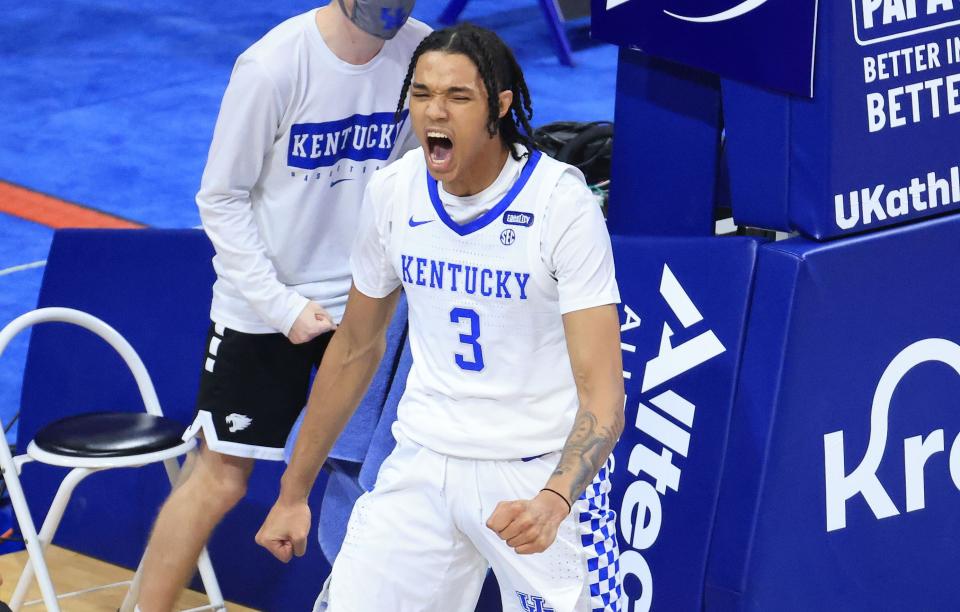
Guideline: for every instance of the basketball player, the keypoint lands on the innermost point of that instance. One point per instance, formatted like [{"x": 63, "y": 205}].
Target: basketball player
[
  {"x": 515, "y": 397},
  {"x": 307, "y": 118}
]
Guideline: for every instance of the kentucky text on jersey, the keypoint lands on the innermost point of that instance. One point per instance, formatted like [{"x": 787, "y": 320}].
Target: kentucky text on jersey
[
  {"x": 461, "y": 278},
  {"x": 357, "y": 138}
]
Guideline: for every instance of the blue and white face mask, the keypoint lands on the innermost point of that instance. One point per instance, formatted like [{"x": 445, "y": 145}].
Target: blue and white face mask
[{"x": 380, "y": 18}]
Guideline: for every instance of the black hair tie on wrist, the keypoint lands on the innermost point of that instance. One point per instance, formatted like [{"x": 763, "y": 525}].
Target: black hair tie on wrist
[{"x": 561, "y": 496}]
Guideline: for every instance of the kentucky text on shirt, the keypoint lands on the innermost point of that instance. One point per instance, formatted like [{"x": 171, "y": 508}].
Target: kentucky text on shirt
[
  {"x": 357, "y": 138},
  {"x": 462, "y": 278}
]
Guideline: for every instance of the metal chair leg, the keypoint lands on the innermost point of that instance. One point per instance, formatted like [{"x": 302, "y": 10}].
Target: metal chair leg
[
  {"x": 50, "y": 524},
  {"x": 28, "y": 530},
  {"x": 207, "y": 576},
  {"x": 133, "y": 593},
  {"x": 209, "y": 579}
]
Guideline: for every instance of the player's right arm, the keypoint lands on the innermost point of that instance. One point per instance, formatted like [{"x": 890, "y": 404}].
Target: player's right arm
[{"x": 348, "y": 366}]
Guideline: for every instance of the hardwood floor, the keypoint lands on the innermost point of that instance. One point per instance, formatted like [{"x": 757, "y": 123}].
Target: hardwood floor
[{"x": 74, "y": 572}]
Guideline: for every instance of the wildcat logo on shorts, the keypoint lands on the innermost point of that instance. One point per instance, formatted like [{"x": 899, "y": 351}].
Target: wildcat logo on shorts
[
  {"x": 533, "y": 603},
  {"x": 238, "y": 422},
  {"x": 523, "y": 219}
]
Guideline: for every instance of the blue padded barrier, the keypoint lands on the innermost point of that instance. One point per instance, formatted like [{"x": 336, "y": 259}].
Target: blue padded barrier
[
  {"x": 757, "y": 154},
  {"x": 154, "y": 287},
  {"x": 876, "y": 142},
  {"x": 684, "y": 310},
  {"x": 754, "y": 41},
  {"x": 665, "y": 156},
  {"x": 852, "y": 345}
]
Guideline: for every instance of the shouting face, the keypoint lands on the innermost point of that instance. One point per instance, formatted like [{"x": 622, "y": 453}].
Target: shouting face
[{"x": 449, "y": 110}]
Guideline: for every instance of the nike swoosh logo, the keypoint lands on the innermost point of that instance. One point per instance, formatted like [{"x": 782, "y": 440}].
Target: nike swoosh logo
[
  {"x": 334, "y": 183},
  {"x": 416, "y": 223}
]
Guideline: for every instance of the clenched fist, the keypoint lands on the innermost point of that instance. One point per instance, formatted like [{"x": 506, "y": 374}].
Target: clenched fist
[
  {"x": 529, "y": 525},
  {"x": 284, "y": 532},
  {"x": 312, "y": 321}
]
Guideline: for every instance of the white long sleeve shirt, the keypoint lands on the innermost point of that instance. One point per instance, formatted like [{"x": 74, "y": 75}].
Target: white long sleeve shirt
[{"x": 299, "y": 134}]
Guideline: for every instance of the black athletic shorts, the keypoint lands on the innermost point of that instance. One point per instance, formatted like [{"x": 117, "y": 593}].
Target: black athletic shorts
[{"x": 252, "y": 389}]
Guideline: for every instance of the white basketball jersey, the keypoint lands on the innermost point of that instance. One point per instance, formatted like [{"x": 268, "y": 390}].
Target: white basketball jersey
[{"x": 491, "y": 377}]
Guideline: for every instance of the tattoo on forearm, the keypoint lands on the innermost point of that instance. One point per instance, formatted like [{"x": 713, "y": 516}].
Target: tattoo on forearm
[{"x": 586, "y": 450}]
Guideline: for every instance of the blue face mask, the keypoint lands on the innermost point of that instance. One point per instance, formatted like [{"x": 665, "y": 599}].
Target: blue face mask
[{"x": 380, "y": 18}]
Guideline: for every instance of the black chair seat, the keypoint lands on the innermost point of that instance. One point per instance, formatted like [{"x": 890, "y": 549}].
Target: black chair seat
[{"x": 109, "y": 434}]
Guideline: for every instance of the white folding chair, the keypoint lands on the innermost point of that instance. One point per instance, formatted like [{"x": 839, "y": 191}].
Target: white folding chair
[{"x": 91, "y": 443}]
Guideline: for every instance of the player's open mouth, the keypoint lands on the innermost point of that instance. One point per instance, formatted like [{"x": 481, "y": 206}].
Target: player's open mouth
[{"x": 439, "y": 150}]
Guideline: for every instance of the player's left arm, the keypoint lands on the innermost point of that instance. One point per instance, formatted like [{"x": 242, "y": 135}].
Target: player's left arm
[
  {"x": 593, "y": 341},
  {"x": 578, "y": 250}
]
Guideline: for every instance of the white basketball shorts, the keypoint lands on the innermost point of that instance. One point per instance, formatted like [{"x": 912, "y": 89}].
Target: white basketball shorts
[{"x": 419, "y": 541}]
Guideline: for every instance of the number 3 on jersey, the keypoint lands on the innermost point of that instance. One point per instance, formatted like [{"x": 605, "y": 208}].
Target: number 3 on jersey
[{"x": 470, "y": 339}]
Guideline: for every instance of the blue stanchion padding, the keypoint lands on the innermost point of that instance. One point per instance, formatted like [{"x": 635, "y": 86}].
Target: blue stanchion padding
[
  {"x": 757, "y": 149},
  {"x": 683, "y": 313},
  {"x": 154, "y": 287},
  {"x": 665, "y": 154},
  {"x": 765, "y": 43},
  {"x": 875, "y": 146},
  {"x": 840, "y": 489}
]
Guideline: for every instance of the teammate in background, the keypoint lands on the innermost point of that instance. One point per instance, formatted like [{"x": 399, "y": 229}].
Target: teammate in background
[
  {"x": 515, "y": 397},
  {"x": 307, "y": 118}
]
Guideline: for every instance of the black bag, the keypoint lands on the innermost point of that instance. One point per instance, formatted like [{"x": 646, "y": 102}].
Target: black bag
[{"x": 588, "y": 146}]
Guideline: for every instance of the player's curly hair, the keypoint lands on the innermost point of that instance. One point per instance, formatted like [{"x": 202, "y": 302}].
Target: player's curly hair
[{"x": 499, "y": 71}]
